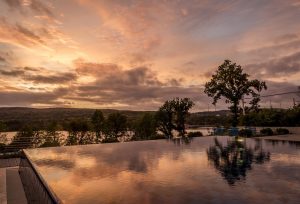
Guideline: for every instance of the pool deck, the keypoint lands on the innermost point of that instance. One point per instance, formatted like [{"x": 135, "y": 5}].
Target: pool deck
[
  {"x": 11, "y": 188},
  {"x": 291, "y": 137}
]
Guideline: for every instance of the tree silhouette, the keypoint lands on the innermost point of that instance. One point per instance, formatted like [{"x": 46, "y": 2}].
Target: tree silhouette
[
  {"x": 181, "y": 109},
  {"x": 79, "y": 133},
  {"x": 115, "y": 127},
  {"x": 231, "y": 82},
  {"x": 172, "y": 115},
  {"x": 165, "y": 119},
  {"x": 145, "y": 127},
  {"x": 98, "y": 121}
]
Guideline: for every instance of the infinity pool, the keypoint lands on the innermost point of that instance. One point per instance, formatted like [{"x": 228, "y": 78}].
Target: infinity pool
[{"x": 203, "y": 170}]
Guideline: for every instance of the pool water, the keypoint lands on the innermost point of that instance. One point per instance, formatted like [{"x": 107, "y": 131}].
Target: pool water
[{"x": 202, "y": 170}]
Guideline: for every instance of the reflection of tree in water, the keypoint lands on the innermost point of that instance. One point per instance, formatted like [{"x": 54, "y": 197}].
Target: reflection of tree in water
[
  {"x": 234, "y": 159},
  {"x": 283, "y": 142}
]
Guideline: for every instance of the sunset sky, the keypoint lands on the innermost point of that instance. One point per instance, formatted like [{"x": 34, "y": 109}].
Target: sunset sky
[{"x": 135, "y": 54}]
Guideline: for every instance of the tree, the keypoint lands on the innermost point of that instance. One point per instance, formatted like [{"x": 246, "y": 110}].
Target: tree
[
  {"x": 3, "y": 137},
  {"x": 181, "y": 110},
  {"x": 26, "y": 138},
  {"x": 231, "y": 82},
  {"x": 172, "y": 115},
  {"x": 165, "y": 117},
  {"x": 145, "y": 127},
  {"x": 116, "y": 126},
  {"x": 79, "y": 133},
  {"x": 52, "y": 137},
  {"x": 98, "y": 121}
]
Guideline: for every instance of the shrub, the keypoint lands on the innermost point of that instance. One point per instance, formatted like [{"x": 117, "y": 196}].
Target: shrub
[
  {"x": 282, "y": 131},
  {"x": 195, "y": 134},
  {"x": 245, "y": 133},
  {"x": 110, "y": 140},
  {"x": 2, "y": 147},
  {"x": 266, "y": 131},
  {"x": 157, "y": 137}
]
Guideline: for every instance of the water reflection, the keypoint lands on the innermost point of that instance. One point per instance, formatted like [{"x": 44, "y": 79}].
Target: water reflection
[
  {"x": 167, "y": 171},
  {"x": 234, "y": 159},
  {"x": 284, "y": 142}
]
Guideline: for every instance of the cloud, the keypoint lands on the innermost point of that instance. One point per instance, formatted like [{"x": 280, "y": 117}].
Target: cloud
[
  {"x": 29, "y": 98},
  {"x": 283, "y": 66},
  {"x": 2, "y": 59},
  {"x": 39, "y": 75},
  {"x": 137, "y": 86},
  {"x": 19, "y": 35},
  {"x": 35, "y": 5}
]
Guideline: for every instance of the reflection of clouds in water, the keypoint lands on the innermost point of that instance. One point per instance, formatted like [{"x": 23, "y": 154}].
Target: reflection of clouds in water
[
  {"x": 63, "y": 164},
  {"x": 160, "y": 172}
]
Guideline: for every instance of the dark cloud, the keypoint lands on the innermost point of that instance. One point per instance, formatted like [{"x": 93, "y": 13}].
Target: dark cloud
[
  {"x": 112, "y": 86},
  {"x": 36, "y": 6},
  {"x": 39, "y": 75},
  {"x": 14, "y": 73},
  {"x": 14, "y": 3},
  {"x": 138, "y": 87},
  {"x": 27, "y": 98},
  {"x": 283, "y": 66},
  {"x": 58, "y": 78},
  {"x": 2, "y": 59},
  {"x": 60, "y": 163}
]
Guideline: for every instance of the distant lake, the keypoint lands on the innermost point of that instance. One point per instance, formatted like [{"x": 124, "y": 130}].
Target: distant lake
[{"x": 205, "y": 130}]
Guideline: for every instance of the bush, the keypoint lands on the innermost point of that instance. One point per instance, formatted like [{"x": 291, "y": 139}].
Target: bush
[
  {"x": 266, "y": 131},
  {"x": 195, "y": 134},
  {"x": 245, "y": 133},
  {"x": 282, "y": 131},
  {"x": 2, "y": 147},
  {"x": 110, "y": 140},
  {"x": 157, "y": 137}
]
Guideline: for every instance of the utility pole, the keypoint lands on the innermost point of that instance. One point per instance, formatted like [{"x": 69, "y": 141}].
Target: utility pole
[{"x": 294, "y": 102}]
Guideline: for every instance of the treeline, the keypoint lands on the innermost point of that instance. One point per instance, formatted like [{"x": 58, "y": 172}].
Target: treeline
[
  {"x": 167, "y": 122},
  {"x": 16, "y": 118},
  {"x": 272, "y": 117}
]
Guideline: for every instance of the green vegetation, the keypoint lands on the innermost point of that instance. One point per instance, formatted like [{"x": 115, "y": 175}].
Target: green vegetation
[
  {"x": 266, "y": 131},
  {"x": 79, "y": 133},
  {"x": 282, "y": 131},
  {"x": 98, "y": 121},
  {"x": 3, "y": 138},
  {"x": 145, "y": 128},
  {"x": 115, "y": 126},
  {"x": 272, "y": 117},
  {"x": 172, "y": 115},
  {"x": 195, "y": 134},
  {"x": 245, "y": 133},
  {"x": 232, "y": 83},
  {"x": 52, "y": 137}
]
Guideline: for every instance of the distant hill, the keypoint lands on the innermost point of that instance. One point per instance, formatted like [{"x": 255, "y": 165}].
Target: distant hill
[
  {"x": 20, "y": 113},
  {"x": 213, "y": 113},
  {"x": 16, "y": 117}
]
